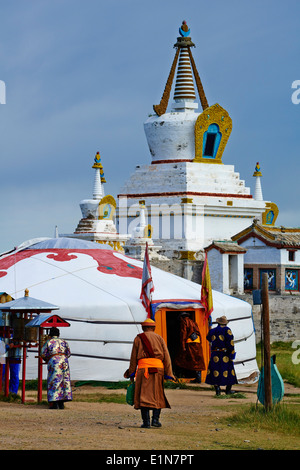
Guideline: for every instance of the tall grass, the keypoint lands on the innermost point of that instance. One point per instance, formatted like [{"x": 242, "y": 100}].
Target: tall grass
[
  {"x": 289, "y": 371},
  {"x": 280, "y": 419}
]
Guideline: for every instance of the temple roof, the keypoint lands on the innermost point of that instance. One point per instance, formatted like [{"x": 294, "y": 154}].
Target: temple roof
[
  {"x": 226, "y": 246},
  {"x": 276, "y": 236}
]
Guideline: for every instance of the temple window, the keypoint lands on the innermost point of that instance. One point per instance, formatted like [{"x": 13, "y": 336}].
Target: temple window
[{"x": 291, "y": 255}]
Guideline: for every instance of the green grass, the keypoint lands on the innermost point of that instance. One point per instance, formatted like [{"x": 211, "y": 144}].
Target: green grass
[
  {"x": 289, "y": 371},
  {"x": 101, "y": 398},
  {"x": 11, "y": 398},
  {"x": 281, "y": 418}
]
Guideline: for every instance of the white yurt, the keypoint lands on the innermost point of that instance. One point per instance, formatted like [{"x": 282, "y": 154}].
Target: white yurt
[{"x": 98, "y": 291}]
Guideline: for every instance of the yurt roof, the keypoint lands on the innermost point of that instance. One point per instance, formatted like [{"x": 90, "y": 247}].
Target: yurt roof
[{"x": 81, "y": 275}]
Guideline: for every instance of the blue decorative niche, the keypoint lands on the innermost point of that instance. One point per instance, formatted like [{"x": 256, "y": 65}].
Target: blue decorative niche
[
  {"x": 270, "y": 218},
  {"x": 211, "y": 141},
  {"x": 292, "y": 279},
  {"x": 271, "y": 278},
  {"x": 248, "y": 278}
]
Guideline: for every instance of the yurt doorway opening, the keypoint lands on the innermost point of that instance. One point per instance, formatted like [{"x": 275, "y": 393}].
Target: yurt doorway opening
[
  {"x": 168, "y": 326},
  {"x": 173, "y": 334}
]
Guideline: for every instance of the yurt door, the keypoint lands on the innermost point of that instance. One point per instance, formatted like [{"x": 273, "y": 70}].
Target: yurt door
[{"x": 168, "y": 326}]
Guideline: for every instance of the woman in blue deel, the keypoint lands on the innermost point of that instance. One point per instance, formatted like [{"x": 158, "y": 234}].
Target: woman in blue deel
[{"x": 220, "y": 368}]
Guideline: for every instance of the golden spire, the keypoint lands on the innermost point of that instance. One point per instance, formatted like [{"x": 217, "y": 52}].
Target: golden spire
[{"x": 184, "y": 88}]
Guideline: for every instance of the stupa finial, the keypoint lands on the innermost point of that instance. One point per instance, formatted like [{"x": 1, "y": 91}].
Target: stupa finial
[
  {"x": 257, "y": 171},
  {"x": 184, "y": 30},
  {"x": 258, "y": 196},
  {"x": 98, "y": 164}
]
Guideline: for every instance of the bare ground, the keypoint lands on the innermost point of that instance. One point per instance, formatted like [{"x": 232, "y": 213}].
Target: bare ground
[{"x": 193, "y": 423}]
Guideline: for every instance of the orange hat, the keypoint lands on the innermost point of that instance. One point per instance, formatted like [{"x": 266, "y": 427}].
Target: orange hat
[{"x": 148, "y": 322}]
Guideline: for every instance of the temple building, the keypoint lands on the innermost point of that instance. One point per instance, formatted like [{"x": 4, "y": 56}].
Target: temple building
[
  {"x": 191, "y": 198},
  {"x": 271, "y": 250}
]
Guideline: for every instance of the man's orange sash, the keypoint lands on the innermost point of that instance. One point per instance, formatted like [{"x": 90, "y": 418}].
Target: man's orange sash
[
  {"x": 149, "y": 362},
  {"x": 197, "y": 340}
]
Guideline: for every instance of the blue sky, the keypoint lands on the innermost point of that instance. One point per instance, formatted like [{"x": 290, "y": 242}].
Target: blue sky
[{"x": 82, "y": 76}]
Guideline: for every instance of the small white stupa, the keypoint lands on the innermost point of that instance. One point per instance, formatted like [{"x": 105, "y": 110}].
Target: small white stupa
[
  {"x": 142, "y": 236},
  {"x": 97, "y": 222}
]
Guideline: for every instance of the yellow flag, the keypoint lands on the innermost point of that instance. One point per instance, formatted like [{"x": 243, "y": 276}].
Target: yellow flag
[{"x": 206, "y": 292}]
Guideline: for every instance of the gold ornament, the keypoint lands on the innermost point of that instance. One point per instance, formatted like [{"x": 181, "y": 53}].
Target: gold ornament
[
  {"x": 107, "y": 207},
  {"x": 213, "y": 115},
  {"x": 270, "y": 215},
  {"x": 161, "y": 108}
]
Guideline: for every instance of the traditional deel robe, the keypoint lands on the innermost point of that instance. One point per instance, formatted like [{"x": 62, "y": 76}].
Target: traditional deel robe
[
  {"x": 190, "y": 355},
  {"x": 56, "y": 352},
  {"x": 149, "y": 383},
  {"x": 220, "y": 368}
]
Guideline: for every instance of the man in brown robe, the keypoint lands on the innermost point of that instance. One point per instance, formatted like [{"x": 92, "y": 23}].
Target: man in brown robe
[
  {"x": 150, "y": 363},
  {"x": 190, "y": 355}
]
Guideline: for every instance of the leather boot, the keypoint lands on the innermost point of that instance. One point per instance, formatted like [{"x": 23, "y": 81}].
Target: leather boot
[
  {"x": 145, "y": 417},
  {"x": 218, "y": 390},
  {"x": 155, "y": 418},
  {"x": 197, "y": 380},
  {"x": 53, "y": 405},
  {"x": 228, "y": 390}
]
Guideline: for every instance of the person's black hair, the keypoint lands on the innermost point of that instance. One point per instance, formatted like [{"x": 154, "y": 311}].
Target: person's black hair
[{"x": 54, "y": 331}]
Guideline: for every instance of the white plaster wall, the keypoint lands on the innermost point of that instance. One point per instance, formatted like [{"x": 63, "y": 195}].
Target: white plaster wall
[
  {"x": 284, "y": 256},
  {"x": 171, "y": 136},
  {"x": 188, "y": 176},
  {"x": 240, "y": 273},
  {"x": 223, "y": 228}
]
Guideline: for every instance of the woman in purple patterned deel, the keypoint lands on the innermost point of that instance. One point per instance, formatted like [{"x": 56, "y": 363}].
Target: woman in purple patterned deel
[{"x": 56, "y": 352}]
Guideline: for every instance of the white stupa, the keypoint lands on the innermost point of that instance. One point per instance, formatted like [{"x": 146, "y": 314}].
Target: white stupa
[
  {"x": 191, "y": 197},
  {"x": 97, "y": 222}
]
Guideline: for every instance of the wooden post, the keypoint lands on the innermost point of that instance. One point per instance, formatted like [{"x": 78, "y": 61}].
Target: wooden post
[
  {"x": 266, "y": 341},
  {"x": 6, "y": 386},
  {"x": 24, "y": 372},
  {"x": 40, "y": 368}
]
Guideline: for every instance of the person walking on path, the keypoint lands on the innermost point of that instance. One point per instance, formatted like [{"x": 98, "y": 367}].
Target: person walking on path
[
  {"x": 56, "y": 352},
  {"x": 150, "y": 364}
]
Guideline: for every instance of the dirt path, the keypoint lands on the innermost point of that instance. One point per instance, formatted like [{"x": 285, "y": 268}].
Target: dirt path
[{"x": 193, "y": 423}]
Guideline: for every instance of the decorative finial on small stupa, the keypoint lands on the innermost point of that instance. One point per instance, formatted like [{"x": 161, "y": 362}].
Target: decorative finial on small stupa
[
  {"x": 258, "y": 196},
  {"x": 184, "y": 30},
  {"x": 257, "y": 171},
  {"x": 98, "y": 164}
]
